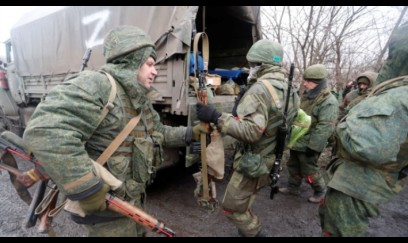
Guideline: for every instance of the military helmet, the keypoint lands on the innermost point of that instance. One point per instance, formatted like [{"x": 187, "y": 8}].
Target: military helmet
[
  {"x": 124, "y": 39},
  {"x": 266, "y": 51},
  {"x": 315, "y": 72}
]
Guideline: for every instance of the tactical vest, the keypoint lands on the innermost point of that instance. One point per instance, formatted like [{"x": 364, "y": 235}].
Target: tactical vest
[
  {"x": 136, "y": 159},
  {"x": 275, "y": 118},
  {"x": 307, "y": 105}
]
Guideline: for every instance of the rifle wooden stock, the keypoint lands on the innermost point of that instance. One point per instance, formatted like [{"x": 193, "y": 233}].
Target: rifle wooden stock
[
  {"x": 8, "y": 162},
  {"x": 137, "y": 215},
  {"x": 22, "y": 177},
  {"x": 203, "y": 98}
]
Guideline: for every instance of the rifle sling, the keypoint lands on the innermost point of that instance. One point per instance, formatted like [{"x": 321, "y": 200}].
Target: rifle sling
[
  {"x": 273, "y": 93},
  {"x": 275, "y": 99},
  {"x": 124, "y": 133},
  {"x": 204, "y": 171},
  {"x": 112, "y": 146},
  {"x": 205, "y": 49}
]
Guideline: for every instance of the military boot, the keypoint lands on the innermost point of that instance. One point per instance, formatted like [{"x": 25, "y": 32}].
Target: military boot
[
  {"x": 261, "y": 233},
  {"x": 318, "y": 196},
  {"x": 290, "y": 189}
]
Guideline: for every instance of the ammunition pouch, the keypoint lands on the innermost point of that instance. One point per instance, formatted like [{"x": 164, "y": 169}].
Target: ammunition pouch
[
  {"x": 147, "y": 156},
  {"x": 252, "y": 165}
]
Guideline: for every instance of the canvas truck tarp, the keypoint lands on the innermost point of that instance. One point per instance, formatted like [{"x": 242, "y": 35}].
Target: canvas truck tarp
[
  {"x": 51, "y": 41},
  {"x": 58, "y": 39}
]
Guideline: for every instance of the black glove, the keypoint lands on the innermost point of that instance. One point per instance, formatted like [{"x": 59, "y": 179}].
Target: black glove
[
  {"x": 207, "y": 113},
  {"x": 310, "y": 152}
]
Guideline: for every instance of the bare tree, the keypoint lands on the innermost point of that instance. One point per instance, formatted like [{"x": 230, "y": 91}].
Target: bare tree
[
  {"x": 344, "y": 38},
  {"x": 384, "y": 49}
]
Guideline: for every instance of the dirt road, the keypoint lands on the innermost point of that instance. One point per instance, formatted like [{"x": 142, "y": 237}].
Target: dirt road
[{"x": 171, "y": 200}]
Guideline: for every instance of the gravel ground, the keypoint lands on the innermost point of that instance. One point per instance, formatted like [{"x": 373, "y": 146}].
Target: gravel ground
[{"x": 171, "y": 200}]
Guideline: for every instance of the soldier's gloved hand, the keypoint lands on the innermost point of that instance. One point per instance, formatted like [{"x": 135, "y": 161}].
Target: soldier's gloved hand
[
  {"x": 96, "y": 202},
  {"x": 310, "y": 152},
  {"x": 207, "y": 113},
  {"x": 198, "y": 129}
]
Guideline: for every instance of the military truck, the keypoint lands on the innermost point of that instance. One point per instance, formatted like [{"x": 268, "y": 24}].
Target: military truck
[{"x": 48, "y": 44}]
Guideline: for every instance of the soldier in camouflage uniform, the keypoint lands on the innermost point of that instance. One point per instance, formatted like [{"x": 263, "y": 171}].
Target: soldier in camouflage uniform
[
  {"x": 64, "y": 135},
  {"x": 255, "y": 127},
  {"x": 372, "y": 149},
  {"x": 365, "y": 83},
  {"x": 319, "y": 103}
]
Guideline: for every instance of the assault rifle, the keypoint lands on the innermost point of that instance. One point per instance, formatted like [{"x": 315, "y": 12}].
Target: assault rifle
[
  {"x": 208, "y": 200},
  {"x": 28, "y": 178},
  {"x": 283, "y": 131},
  {"x": 11, "y": 144}
]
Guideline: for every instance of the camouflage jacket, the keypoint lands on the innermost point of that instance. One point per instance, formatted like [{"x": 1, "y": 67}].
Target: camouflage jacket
[
  {"x": 323, "y": 111},
  {"x": 373, "y": 146},
  {"x": 258, "y": 117},
  {"x": 68, "y": 118}
]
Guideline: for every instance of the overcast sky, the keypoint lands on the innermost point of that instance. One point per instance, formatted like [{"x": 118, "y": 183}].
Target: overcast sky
[{"x": 9, "y": 15}]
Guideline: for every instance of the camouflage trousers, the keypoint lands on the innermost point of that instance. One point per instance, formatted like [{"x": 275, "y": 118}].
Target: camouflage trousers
[
  {"x": 344, "y": 216},
  {"x": 238, "y": 199},
  {"x": 300, "y": 166}
]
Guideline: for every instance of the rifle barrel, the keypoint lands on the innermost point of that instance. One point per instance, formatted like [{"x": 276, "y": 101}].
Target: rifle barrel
[
  {"x": 281, "y": 138},
  {"x": 85, "y": 59}
]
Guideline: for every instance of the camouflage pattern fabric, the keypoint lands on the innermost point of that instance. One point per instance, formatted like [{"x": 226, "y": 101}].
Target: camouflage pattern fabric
[
  {"x": 368, "y": 167},
  {"x": 355, "y": 96},
  {"x": 347, "y": 213},
  {"x": 395, "y": 65},
  {"x": 65, "y": 138},
  {"x": 372, "y": 146},
  {"x": 302, "y": 167},
  {"x": 256, "y": 129},
  {"x": 267, "y": 52},
  {"x": 316, "y": 73},
  {"x": 122, "y": 227},
  {"x": 123, "y": 40},
  {"x": 323, "y": 110},
  {"x": 349, "y": 97}
]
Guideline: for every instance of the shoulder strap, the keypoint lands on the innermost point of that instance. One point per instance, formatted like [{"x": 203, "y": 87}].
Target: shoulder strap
[
  {"x": 118, "y": 140},
  {"x": 273, "y": 93},
  {"x": 113, "y": 146},
  {"x": 205, "y": 50},
  {"x": 109, "y": 105},
  {"x": 385, "y": 83}
]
